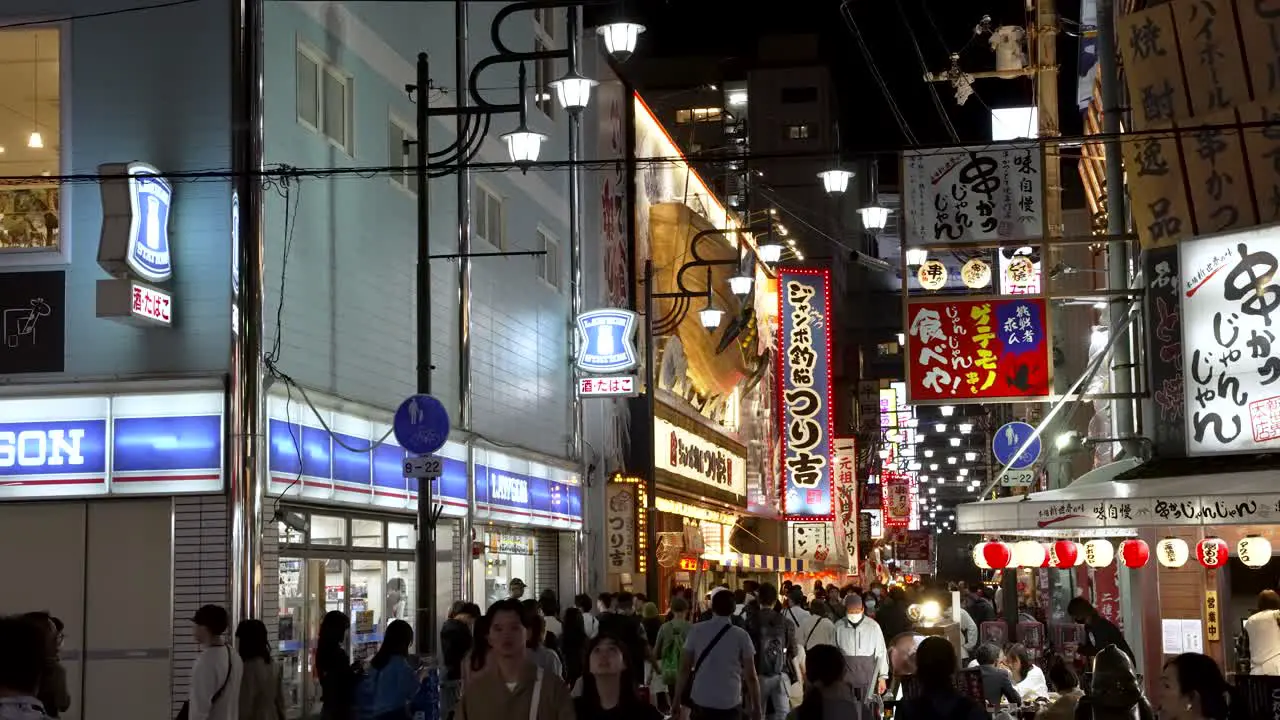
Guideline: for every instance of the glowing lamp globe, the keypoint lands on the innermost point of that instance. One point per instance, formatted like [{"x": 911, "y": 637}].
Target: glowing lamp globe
[
  {"x": 1172, "y": 552},
  {"x": 1028, "y": 554},
  {"x": 1134, "y": 553},
  {"x": 620, "y": 38},
  {"x": 1212, "y": 552},
  {"x": 1254, "y": 551},
  {"x": 573, "y": 91},
  {"x": 979, "y": 558},
  {"x": 523, "y": 145},
  {"x": 999, "y": 555},
  {"x": 835, "y": 181},
  {"x": 1065, "y": 554},
  {"x": 1099, "y": 553}
]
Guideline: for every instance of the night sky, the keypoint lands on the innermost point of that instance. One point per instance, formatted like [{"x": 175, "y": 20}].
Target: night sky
[{"x": 680, "y": 27}]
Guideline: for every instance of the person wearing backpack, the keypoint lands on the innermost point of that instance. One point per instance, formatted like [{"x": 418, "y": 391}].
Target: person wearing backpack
[
  {"x": 774, "y": 640},
  {"x": 669, "y": 647}
]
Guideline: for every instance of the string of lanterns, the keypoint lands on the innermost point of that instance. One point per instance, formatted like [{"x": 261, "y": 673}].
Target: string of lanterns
[{"x": 1212, "y": 552}]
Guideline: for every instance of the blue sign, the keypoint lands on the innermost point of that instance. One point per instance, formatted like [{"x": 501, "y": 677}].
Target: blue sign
[
  {"x": 140, "y": 450},
  {"x": 606, "y": 341},
  {"x": 1008, "y": 439},
  {"x": 150, "y": 198},
  {"x": 804, "y": 341},
  {"x": 421, "y": 425}
]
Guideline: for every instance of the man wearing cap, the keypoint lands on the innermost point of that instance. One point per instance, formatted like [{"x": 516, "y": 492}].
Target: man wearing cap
[
  {"x": 862, "y": 642},
  {"x": 516, "y": 588}
]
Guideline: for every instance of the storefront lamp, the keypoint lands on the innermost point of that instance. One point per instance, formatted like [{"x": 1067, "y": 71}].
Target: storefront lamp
[
  {"x": 523, "y": 145},
  {"x": 740, "y": 285},
  {"x": 947, "y": 410},
  {"x": 1065, "y": 553},
  {"x": 1172, "y": 552},
  {"x": 1254, "y": 551},
  {"x": 916, "y": 256},
  {"x": 874, "y": 217},
  {"x": 1212, "y": 552},
  {"x": 1099, "y": 553},
  {"x": 573, "y": 91},
  {"x": 1028, "y": 554},
  {"x": 620, "y": 38},
  {"x": 710, "y": 317},
  {"x": 770, "y": 252},
  {"x": 836, "y": 181},
  {"x": 1134, "y": 553},
  {"x": 979, "y": 558}
]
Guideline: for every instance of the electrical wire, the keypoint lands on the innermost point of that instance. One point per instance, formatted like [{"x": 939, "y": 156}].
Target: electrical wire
[
  {"x": 924, "y": 68},
  {"x": 852, "y": 24},
  {"x": 97, "y": 14}
]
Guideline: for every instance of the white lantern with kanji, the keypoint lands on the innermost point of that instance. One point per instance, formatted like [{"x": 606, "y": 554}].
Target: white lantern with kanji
[
  {"x": 1028, "y": 554},
  {"x": 978, "y": 558},
  {"x": 1254, "y": 551},
  {"x": 1099, "y": 553},
  {"x": 1212, "y": 552},
  {"x": 1172, "y": 552}
]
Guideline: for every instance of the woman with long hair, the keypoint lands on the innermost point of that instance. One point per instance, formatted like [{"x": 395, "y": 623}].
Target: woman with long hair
[
  {"x": 477, "y": 661},
  {"x": 334, "y": 670},
  {"x": 609, "y": 686},
  {"x": 1192, "y": 687},
  {"x": 260, "y": 695},
  {"x": 828, "y": 696},
  {"x": 391, "y": 682},
  {"x": 936, "y": 663},
  {"x": 573, "y": 645},
  {"x": 1028, "y": 679}
]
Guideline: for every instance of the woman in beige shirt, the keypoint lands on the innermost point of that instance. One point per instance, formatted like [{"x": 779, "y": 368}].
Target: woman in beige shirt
[{"x": 260, "y": 695}]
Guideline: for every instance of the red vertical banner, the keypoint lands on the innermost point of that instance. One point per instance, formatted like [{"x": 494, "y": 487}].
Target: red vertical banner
[
  {"x": 1106, "y": 594},
  {"x": 846, "y": 494},
  {"x": 897, "y": 499}
]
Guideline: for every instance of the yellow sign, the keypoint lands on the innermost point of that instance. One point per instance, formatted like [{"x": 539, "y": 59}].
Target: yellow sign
[{"x": 1212, "y": 617}]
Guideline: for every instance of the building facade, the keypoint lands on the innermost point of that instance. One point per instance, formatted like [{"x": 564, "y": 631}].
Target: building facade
[{"x": 126, "y": 465}]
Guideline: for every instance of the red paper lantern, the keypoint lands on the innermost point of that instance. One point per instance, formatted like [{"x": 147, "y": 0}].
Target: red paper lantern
[
  {"x": 997, "y": 554},
  {"x": 1134, "y": 553},
  {"x": 1066, "y": 552},
  {"x": 1212, "y": 552},
  {"x": 1048, "y": 556}
]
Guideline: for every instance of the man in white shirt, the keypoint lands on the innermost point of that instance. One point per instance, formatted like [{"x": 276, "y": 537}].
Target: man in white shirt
[
  {"x": 718, "y": 667},
  {"x": 215, "y": 679},
  {"x": 862, "y": 641}
]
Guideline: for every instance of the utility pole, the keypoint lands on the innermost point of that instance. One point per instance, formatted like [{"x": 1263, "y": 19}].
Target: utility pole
[{"x": 1045, "y": 38}]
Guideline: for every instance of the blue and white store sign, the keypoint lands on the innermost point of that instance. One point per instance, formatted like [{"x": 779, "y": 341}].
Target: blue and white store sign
[
  {"x": 336, "y": 466},
  {"x": 111, "y": 445},
  {"x": 135, "y": 213},
  {"x": 606, "y": 341}
]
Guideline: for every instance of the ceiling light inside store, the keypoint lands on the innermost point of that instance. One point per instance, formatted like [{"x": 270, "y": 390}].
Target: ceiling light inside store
[
  {"x": 965, "y": 428},
  {"x": 947, "y": 410},
  {"x": 940, "y": 427},
  {"x": 970, "y": 456},
  {"x": 952, "y": 460},
  {"x": 954, "y": 442}
]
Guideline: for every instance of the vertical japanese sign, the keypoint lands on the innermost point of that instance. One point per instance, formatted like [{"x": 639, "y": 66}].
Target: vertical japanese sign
[
  {"x": 1212, "y": 617},
  {"x": 978, "y": 349},
  {"x": 845, "y": 487},
  {"x": 811, "y": 540},
  {"x": 1164, "y": 351},
  {"x": 1231, "y": 361},
  {"x": 1106, "y": 594},
  {"x": 804, "y": 369},
  {"x": 974, "y": 194},
  {"x": 620, "y": 533},
  {"x": 898, "y": 500}
]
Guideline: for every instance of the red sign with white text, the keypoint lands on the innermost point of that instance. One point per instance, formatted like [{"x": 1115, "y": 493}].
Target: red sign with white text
[
  {"x": 897, "y": 500},
  {"x": 978, "y": 350}
]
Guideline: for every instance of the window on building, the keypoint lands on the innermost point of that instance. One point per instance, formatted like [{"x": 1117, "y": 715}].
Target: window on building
[
  {"x": 791, "y": 95},
  {"x": 695, "y": 148},
  {"x": 324, "y": 98},
  {"x": 698, "y": 115},
  {"x": 544, "y": 71},
  {"x": 401, "y": 152},
  {"x": 488, "y": 217},
  {"x": 549, "y": 269},
  {"x": 31, "y": 139},
  {"x": 800, "y": 131},
  {"x": 887, "y": 349}
]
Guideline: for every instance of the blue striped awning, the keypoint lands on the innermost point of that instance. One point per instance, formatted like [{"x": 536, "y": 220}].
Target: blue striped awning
[{"x": 770, "y": 563}]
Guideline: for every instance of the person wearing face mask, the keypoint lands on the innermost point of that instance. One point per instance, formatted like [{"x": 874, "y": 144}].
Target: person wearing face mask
[{"x": 860, "y": 639}]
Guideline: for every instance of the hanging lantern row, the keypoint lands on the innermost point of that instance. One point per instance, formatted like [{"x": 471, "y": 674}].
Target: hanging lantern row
[{"x": 1254, "y": 551}]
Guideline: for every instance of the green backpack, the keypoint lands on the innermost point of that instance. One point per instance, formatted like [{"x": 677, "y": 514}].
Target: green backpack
[{"x": 673, "y": 652}]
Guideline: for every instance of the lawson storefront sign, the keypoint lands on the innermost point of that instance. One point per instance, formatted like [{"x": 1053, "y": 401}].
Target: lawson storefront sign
[
  {"x": 336, "y": 466},
  {"x": 87, "y": 446}
]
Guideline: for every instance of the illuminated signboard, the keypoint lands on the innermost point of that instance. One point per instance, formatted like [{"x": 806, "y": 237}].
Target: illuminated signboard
[
  {"x": 691, "y": 456},
  {"x": 606, "y": 341},
  {"x": 804, "y": 384},
  {"x": 150, "y": 304},
  {"x": 689, "y": 564},
  {"x": 134, "y": 246},
  {"x": 618, "y": 386}
]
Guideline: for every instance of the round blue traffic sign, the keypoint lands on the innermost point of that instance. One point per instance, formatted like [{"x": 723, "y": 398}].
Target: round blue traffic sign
[
  {"x": 421, "y": 424},
  {"x": 1009, "y": 439}
]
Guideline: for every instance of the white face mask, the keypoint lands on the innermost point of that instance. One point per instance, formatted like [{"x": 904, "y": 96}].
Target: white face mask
[{"x": 855, "y": 617}]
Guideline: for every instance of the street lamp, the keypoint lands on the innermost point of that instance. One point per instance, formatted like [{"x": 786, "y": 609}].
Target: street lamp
[
  {"x": 620, "y": 38},
  {"x": 710, "y": 316},
  {"x": 741, "y": 285},
  {"x": 874, "y": 217},
  {"x": 523, "y": 144},
  {"x": 836, "y": 181},
  {"x": 573, "y": 91},
  {"x": 916, "y": 256}
]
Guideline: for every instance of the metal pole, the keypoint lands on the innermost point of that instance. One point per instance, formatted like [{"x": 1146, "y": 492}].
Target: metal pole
[
  {"x": 1122, "y": 416},
  {"x": 1046, "y": 39},
  {"x": 577, "y": 450},
  {"x": 651, "y": 407},
  {"x": 461, "y": 61},
  {"x": 424, "y": 590}
]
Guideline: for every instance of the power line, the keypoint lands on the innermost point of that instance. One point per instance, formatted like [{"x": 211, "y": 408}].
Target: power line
[
  {"x": 924, "y": 68},
  {"x": 852, "y": 24},
  {"x": 98, "y": 14}
]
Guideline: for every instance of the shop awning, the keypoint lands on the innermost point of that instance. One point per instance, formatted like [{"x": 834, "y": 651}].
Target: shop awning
[
  {"x": 1118, "y": 498},
  {"x": 768, "y": 563}
]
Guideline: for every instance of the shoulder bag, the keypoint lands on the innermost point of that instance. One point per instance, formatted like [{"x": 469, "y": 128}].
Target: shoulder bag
[
  {"x": 185, "y": 712},
  {"x": 687, "y": 696}
]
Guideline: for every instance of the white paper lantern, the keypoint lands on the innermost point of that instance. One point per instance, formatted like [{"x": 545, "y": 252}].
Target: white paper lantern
[
  {"x": 1079, "y": 554},
  {"x": 978, "y": 559},
  {"x": 1254, "y": 551},
  {"x": 1099, "y": 553},
  {"x": 1028, "y": 554},
  {"x": 1172, "y": 552}
]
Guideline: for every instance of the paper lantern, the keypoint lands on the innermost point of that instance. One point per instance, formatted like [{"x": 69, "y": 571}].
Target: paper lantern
[
  {"x": 1134, "y": 553},
  {"x": 1048, "y": 555},
  {"x": 1028, "y": 554},
  {"x": 978, "y": 558},
  {"x": 1079, "y": 553},
  {"x": 1065, "y": 554},
  {"x": 1172, "y": 552},
  {"x": 1099, "y": 553},
  {"x": 1254, "y": 551},
  {"x": 1212, "y": 552},
  {"x": 999, "y": 555}
]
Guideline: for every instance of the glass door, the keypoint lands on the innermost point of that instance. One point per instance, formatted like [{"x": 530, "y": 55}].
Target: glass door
[{"x": 309, "y": 588}]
